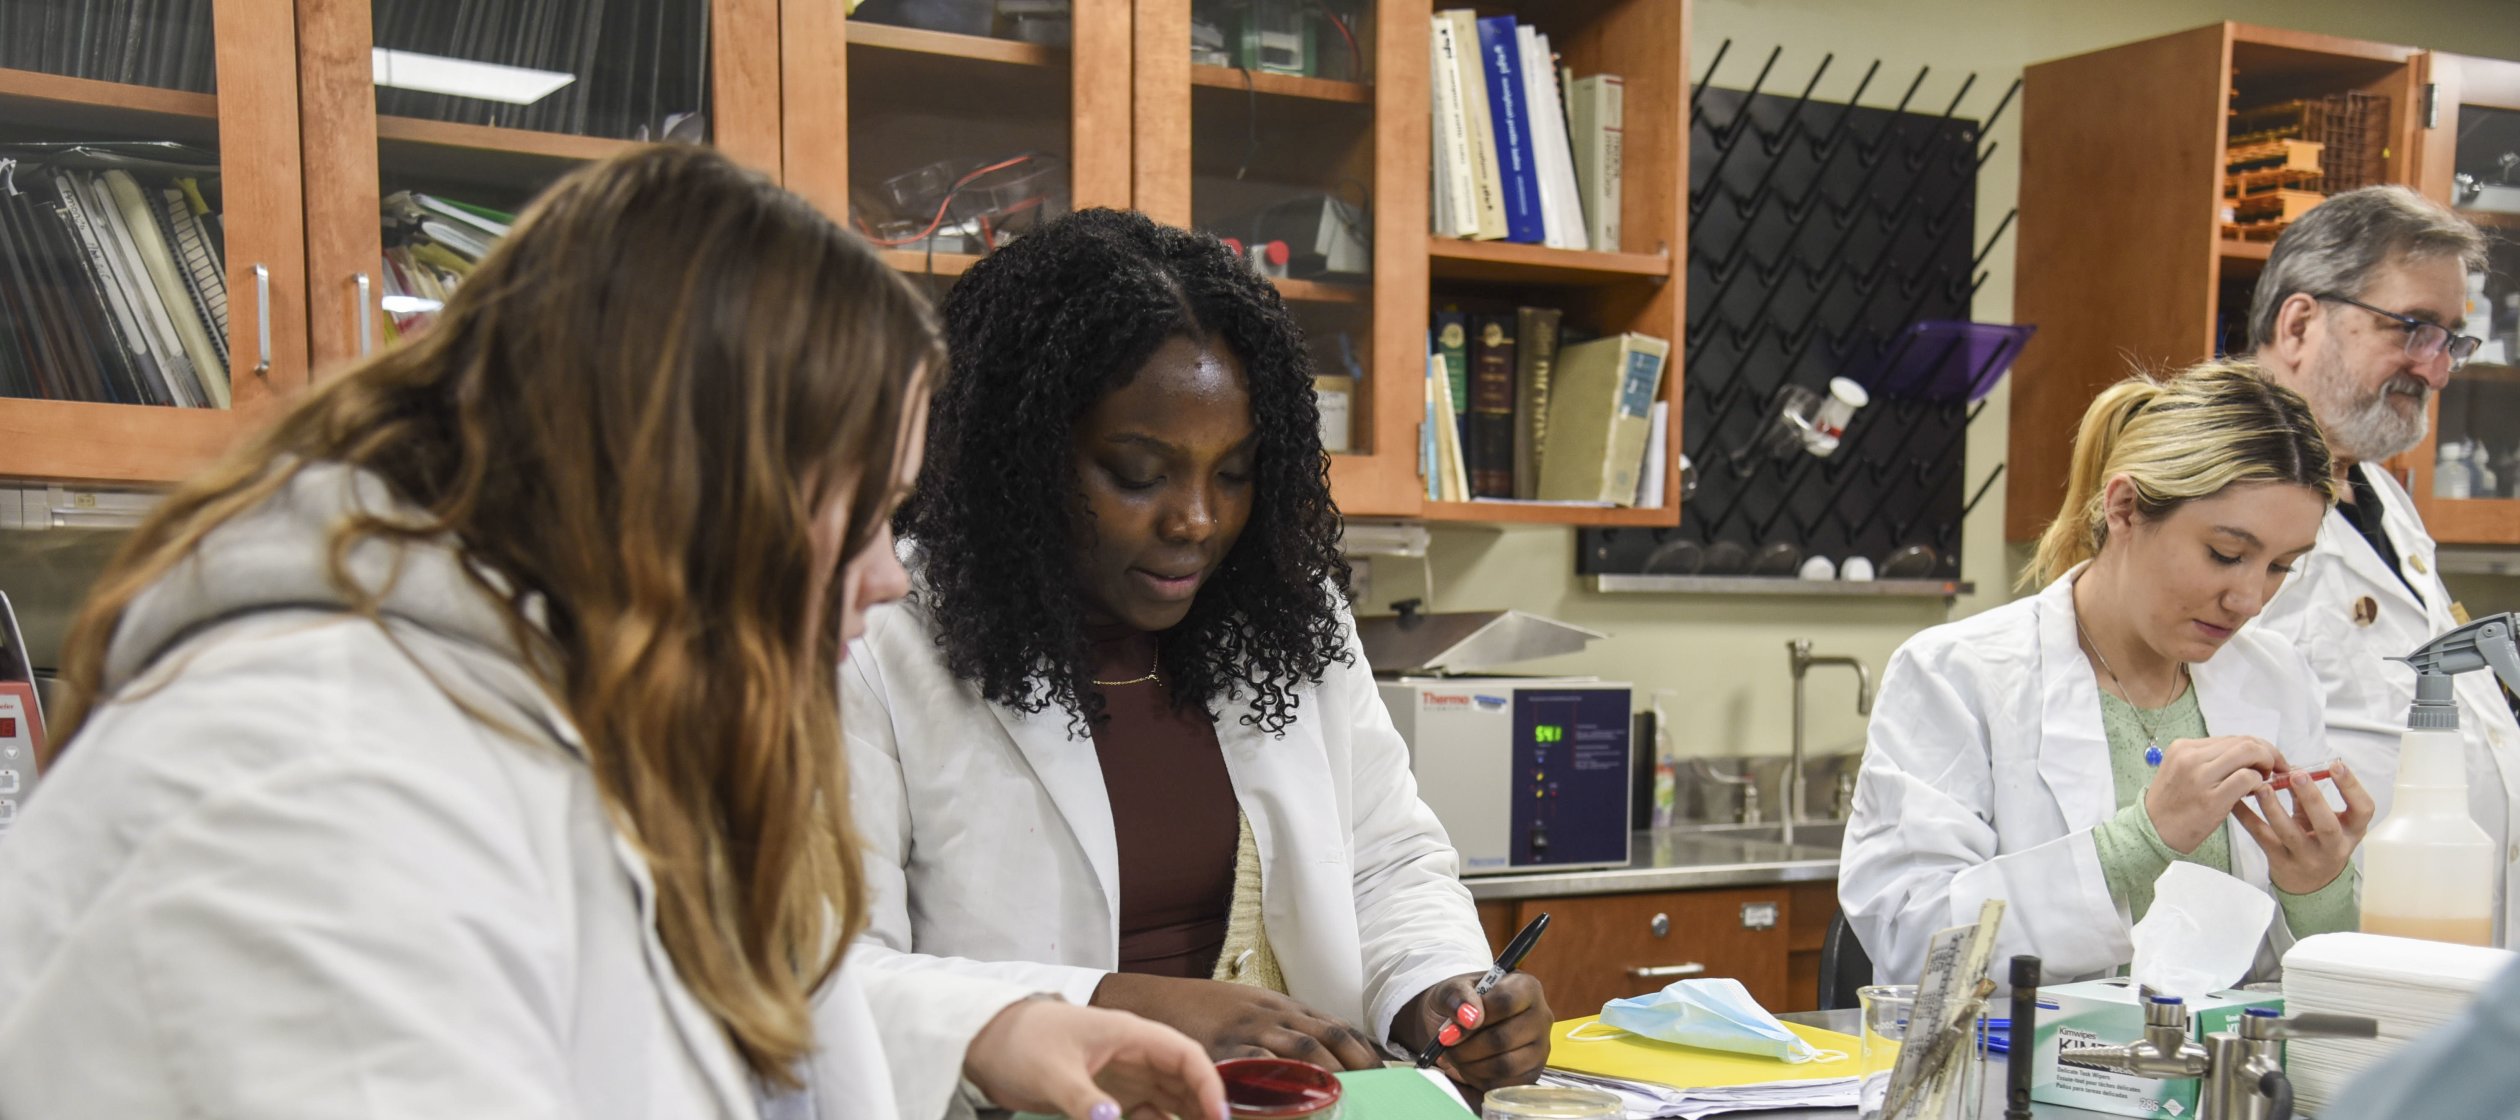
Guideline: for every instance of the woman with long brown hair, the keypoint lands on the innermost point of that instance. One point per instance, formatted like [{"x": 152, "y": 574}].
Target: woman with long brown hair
[{"x": 460, "y": 748}]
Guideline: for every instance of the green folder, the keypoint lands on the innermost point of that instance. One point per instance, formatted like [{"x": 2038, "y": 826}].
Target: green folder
[
  {"x": 1395, "y": 1093},
  {"x": 1390, "y": 1093}
]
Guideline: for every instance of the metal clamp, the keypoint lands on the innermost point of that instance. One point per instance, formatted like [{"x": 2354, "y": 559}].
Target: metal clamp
[
  {"x": 367, "y": 314},
  {"x": 262, "y": 319},
  {"x": 1668, "y": 971}
]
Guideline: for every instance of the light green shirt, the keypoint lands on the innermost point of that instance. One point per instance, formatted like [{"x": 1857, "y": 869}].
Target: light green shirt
[{"x": 2133, "y": 854}]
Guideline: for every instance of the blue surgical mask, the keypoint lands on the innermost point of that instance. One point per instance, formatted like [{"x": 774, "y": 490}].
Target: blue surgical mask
[{"x": 1714, "y": 1014}]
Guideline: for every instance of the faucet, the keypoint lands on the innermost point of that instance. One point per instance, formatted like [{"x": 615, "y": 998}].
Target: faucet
[
  {"x": 2164, "y": 1053},
  {"x": 1801, "y": 660},
  {"x": 1749, "y": 788},
  {"x": 2242, "y": 1072}
]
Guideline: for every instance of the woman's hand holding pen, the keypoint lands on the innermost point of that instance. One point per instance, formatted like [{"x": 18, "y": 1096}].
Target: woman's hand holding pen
[
  {"x": 2201, "y": 780},
  {"x": 1503, "y": 1035},
  {"x": 2307, "y": 848},
  {"x": 1240, "y": 1021}
]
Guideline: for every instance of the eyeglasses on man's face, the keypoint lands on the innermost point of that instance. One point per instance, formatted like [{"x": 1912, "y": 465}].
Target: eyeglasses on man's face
[{"x": 2424, "y": 339}]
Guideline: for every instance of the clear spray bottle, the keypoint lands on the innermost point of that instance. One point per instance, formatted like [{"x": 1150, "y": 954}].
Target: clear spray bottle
[{"x": 2428, "y": 870}]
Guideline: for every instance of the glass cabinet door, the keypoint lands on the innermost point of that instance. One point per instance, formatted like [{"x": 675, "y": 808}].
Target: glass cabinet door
[
  {"x": 149, "y": 245},
  {"x": 2467, "y": 476},
  {"x": 968, "y": 124},
  {"x": 452, "y": 116},
  {"x": 1261, "y": 121}
]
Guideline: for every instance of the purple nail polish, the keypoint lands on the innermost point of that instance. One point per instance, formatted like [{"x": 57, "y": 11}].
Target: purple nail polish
[{"x": 1104, "y": 1110}]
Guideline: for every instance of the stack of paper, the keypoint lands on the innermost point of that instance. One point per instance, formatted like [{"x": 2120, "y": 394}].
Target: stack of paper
[
  {"x": 2410, "y": 986},
  {"x": 1659, "y": 1079}
]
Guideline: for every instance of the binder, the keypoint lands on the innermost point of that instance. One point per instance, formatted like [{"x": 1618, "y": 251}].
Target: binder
[{"x": 159, "y": 261}]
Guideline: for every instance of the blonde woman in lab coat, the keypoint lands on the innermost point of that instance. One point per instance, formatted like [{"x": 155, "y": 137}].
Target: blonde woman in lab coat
[
  {"x": 462, "y": 748},
  {"x": 2061, "y": 751},
  {"x": 1121, "y": 742}
]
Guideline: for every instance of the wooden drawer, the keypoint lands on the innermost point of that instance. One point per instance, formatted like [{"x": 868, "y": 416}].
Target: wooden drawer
[{"x": 1605, "y": 947}]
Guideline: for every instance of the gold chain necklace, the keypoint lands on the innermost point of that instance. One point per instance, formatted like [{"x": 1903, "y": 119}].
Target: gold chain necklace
[
  {"x": 1151, "y": 675},
  {"x": 2152, "y": 738}
]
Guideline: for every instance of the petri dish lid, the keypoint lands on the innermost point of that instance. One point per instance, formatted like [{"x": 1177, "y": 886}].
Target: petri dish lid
[{"x": 1551, "y": 1102}]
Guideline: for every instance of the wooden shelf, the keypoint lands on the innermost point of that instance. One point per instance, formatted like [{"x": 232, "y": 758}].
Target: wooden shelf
[
  {"x": 2242, "y": 259},
  {"x": 1535, "y": 513},
  {"x": 1780, "y": 585},
  {"x": 918, "y": 262},
  {"x": 1513, "y": 262},
  {"x": 2234, "y": 249},
  {"x": 55, "y": 103},
  {"x": 2492, "y": 219},
  {"x": 73, "y": 441},
  {"x": 490, "y": 138},
  {"x": 1282, "y": 85},
  {"x": 979, "y": 48},
  {"x": 2497, "y": 373},
  {"x": 482, "y": 163},
  {"x": 1317, "y": 291},
  {"x": 2490, "y": 521}
]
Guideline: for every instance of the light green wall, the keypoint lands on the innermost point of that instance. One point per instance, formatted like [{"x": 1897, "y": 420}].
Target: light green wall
[{"x": 1725, "y": 656}]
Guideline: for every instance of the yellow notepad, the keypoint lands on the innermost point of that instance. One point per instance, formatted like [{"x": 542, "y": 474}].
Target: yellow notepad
[{"x": 1631, "y": 1057}]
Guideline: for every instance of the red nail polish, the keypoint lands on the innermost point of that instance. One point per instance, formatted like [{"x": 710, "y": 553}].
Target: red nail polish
[
  {"x": 1468, "y": 1014},
  {"x": 1450, "y": 1035}
]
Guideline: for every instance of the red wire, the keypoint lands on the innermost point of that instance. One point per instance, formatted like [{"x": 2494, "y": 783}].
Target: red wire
[
  {"x": 1356, "y": 54},
  {"x": 943, "y": 204}
]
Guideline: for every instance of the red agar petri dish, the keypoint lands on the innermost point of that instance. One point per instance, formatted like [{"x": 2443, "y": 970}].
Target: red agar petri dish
[{"x": 1279, "y": 1089}]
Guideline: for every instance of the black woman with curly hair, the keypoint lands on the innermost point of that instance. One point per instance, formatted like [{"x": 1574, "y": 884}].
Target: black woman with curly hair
[{"x": 1120, "y": 743}]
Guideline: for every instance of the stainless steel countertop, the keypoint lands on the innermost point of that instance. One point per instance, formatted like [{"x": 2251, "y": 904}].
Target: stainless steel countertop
[{"x": 1679, "y": 859}]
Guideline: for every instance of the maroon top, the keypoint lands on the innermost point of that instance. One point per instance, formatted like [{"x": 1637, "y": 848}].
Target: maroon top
[{"x": 1173, "y": 814}]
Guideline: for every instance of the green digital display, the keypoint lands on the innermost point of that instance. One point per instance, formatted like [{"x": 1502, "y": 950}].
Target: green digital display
[{"x": 1548, "y": 733}]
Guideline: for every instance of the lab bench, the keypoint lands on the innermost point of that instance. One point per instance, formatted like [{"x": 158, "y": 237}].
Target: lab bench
[{"x": 1691, "y": 902}]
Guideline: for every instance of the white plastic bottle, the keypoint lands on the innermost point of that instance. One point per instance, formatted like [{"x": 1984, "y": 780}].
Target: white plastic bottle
[{"x": 2428, "y": 870}]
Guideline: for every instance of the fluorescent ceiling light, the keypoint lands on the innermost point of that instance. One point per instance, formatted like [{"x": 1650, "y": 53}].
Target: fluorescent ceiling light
[{"x": 428, "y": 73}]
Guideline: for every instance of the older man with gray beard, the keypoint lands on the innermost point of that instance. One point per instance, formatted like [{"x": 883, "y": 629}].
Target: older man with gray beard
[{"x": 2360, "y": 310}]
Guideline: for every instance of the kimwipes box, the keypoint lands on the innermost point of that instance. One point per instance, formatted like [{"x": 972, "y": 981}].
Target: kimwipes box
[{"x": 2095, "y": 1013}]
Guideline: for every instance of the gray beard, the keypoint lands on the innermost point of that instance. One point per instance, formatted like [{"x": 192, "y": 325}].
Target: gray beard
[{"x": 2363, "y": 425}]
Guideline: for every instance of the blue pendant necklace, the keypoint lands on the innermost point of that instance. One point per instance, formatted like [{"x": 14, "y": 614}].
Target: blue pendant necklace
[{"x": 2152, "y": 737}]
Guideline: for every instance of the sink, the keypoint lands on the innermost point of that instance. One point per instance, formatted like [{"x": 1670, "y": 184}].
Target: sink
[{"x": 1820, "y": 837}]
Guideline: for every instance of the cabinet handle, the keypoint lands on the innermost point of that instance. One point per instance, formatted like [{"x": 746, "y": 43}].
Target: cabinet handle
[
  {"x": 262, "y": 319},
  {"x": 1668, "y": 971},
  {"x": 367, "y": 314}
]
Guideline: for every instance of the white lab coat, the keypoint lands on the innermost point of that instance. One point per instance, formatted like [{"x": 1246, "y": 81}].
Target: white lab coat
[
  {"x": 288, "y": 876},
  {"x": 2367, "y": 695},
  {"x": 1988, "y": 767},
  {"x": 990, "y": 848}
]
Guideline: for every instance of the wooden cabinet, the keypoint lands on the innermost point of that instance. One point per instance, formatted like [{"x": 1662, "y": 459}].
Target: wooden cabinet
[
  {"x": 371, "y": 136},
  {"x": 1605, "y": 947},
  {"x": 1214, "y": 143},
  {"x": 2466, "y": 475},
  {"x": 317, "y": 135},
  {"x": 2123, "y": 259},
  {"x": 241, "y": 107}
]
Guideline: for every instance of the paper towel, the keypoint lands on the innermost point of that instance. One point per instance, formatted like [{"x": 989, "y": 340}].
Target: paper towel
[{"x": 2202, "y": 933}]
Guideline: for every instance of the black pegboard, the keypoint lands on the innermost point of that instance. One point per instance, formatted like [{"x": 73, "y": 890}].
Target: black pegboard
[{"x": 1818, "y": 232}]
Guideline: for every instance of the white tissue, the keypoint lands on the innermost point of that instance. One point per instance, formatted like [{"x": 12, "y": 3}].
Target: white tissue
[{"x": 2202, "y": 933}]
